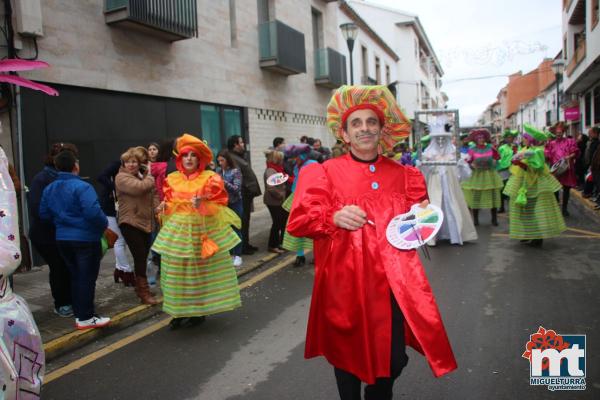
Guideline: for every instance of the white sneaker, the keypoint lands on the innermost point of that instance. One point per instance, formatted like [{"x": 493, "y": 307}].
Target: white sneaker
[
  {"x": 94, "y": 322},
  {"x": 237, "y": 261}
]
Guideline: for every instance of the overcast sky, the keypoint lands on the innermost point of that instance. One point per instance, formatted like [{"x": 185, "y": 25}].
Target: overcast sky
[{"x": 478, "y": 38}]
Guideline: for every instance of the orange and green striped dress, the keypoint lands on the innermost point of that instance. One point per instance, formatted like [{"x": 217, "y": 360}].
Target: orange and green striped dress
[{"x": 197, "y": 274}]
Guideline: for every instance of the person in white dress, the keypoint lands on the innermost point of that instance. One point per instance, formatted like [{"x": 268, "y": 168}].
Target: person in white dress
[{"x": 443, "y": 173}]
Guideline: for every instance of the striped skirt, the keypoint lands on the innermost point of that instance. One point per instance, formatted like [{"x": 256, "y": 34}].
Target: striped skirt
[
  {"x": 540, "y": 218},
  {"x": 293, "y": 243},
  {"x": 482, "y": 189},
  {"x": 193, "y": 286}
]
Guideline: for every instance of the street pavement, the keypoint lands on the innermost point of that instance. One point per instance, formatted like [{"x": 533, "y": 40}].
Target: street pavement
[{"x": 492, "y": 295}]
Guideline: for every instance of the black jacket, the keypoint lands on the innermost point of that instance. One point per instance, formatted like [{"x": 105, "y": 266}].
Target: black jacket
[{"x": 250, "y": 186}]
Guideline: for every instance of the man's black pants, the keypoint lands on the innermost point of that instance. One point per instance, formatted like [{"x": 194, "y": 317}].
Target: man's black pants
[{"x": 349, "y": 385}]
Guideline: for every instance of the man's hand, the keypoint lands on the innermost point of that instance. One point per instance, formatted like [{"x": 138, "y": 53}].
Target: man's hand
[{"x": 350, "y": 218}]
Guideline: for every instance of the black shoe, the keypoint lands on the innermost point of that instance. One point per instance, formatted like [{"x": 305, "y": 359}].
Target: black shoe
[
  {"x": 300, "y": 261},
  {"x": 192, "y": 321},
  {"x": 536, "y": 243},
  {"x": 247, "y": 251},
  {"x": 176, "y": 323},
  {"x": 252, "y": 247}
]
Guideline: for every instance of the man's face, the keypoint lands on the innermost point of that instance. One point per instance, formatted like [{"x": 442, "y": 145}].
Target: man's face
[
  {"x": 362, "y": 131},
  {"x": 317, "y": 145},
  {"x": 509, "y": 139},
  {"x": 592, "y": 134}
]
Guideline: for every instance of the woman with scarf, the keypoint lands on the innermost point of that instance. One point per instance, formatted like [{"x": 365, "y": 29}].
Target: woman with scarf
[
  {"x": 273, "y": 198},
  {"x": 534, "y": 214},
  {"x": 300, "y": 153},
  {"x": 482, "y": 189},
  {"x": 197, "y": 273}
]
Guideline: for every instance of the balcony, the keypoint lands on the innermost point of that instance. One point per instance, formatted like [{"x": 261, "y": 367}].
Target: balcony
[
  {"x": 578, "y": 56},
  {"x": 169, "y": 20},
  {"x": 330, "y": 68},
  {"x": 281, "y": 48}
]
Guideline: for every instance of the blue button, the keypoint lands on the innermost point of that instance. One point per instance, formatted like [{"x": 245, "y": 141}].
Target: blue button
[
  {"x": 375, "y": 185},
  {"x": 372, "y": 168}
]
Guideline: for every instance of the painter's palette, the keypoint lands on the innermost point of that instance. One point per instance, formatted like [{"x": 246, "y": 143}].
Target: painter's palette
[
  {"x": 277, "y": 179},
  {"x": 415, "y": 228}
]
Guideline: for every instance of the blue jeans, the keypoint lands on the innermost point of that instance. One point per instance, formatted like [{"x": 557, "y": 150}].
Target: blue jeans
[
  {"x": 238, "y": 208},
  {"x": 83, "y": 261}
]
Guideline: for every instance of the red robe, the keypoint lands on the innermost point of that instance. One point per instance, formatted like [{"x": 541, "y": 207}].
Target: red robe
[{"x": 350, "y": 320}]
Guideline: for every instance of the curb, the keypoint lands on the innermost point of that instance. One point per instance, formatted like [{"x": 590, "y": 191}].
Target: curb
[
  {"x": 78, "y": 338},
  {"x": 588, "y": 205}
]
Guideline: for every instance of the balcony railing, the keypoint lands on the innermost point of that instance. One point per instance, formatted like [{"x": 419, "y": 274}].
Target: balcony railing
[
  {"x": 330, "y": 68},
  {"x": 578, "y": 56},
  {"x": 281, "y": 48},
  {"x": 167, "y": 19}
]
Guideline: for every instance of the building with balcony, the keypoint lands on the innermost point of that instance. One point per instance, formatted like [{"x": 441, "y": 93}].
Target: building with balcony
[
  {"x": 418, "y": 69},
  {"x": 581, "y": 50},
  {"x": 134, "y": 71}
]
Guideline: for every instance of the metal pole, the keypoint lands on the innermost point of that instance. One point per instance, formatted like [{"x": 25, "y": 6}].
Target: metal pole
[
  {"x": 557, "y": 103},
  {"x": 350, "y": 48}
]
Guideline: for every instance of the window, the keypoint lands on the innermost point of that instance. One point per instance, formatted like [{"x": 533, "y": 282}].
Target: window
[
  {"x": 211, "y": 127},
  {"x": 588, "y": 109},
  {"x": 595, "y": 13},
  {"x": 265, "y": 11},
  {"x": 365, "y": 61},
  {"x": 388, "y": 78},
  {"x": 317, "y": 29},
  {"x": 377, "y": 70},
  {"x": 565, "y": 53},
  {"x": 596, "y": 104},
  {"x": 218, "y": 124}
]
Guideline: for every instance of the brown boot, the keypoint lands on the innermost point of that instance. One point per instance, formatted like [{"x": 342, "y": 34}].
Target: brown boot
[{"x": 143, "y": 291}]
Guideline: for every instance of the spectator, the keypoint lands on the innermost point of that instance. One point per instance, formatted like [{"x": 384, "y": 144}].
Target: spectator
[
  {"x": 43, "y": 236},
  {"x": 153, "y": 150},
  {"x": 304, "y": 139},
  {"x": 278, "y": 144},
  {"x": 108, "y": 200},
  {"x": 137, "y": 201},
  {"x": 580, "y": 167},
  {"x": 273, "y": 198},
  {"x": 232, "y": 179},
  {"x": 325, "y": 152},
  {"x": 72, "y": 206},
  {"x": 590, "y": 150},
  {"x": 250, "y": 188}
]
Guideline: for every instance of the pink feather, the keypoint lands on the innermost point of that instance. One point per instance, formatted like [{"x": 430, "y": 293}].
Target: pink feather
[
  {"x": 17, "y": 80},
  {"x": 12, "y": 64}
]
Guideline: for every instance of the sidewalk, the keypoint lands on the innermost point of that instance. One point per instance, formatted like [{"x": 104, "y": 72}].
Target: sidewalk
[{"x": 114, "y": 300}]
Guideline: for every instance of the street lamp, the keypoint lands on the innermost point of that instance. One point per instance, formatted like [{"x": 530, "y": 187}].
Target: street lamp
[
  {"x": 349, "y": 31},
  {"x": 558, "y": 67}
]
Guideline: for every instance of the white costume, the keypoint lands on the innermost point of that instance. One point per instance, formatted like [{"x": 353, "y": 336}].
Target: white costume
[
  {"x": 21, "y": 350},
  {"x": 443, "y": 186}
]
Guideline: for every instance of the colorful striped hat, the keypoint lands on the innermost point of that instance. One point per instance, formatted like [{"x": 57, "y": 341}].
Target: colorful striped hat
[{"x": 347, "y": 99}]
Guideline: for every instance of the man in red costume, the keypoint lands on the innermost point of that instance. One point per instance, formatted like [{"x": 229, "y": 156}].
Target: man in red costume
[{"x": 369, "y": 298}]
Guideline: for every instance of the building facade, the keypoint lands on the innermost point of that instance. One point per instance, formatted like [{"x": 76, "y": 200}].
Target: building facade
[
  {"x": 581, "y": 50},
  {"x": 130, "y": 74}
]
